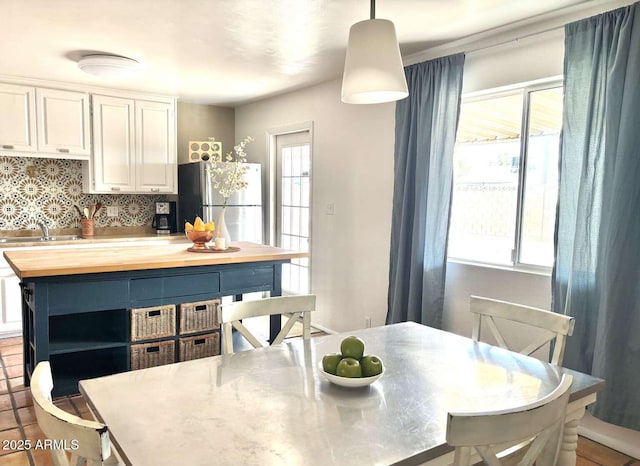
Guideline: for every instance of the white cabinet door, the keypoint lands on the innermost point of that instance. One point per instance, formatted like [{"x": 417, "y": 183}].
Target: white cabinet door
[
  {"x": 63, "y": 122},
  {"x": 155, "y": 147},
  {"x": 17, "y": 118},
  {"x": 10, "y": 303},
  {"x": 113, "y": 168}
]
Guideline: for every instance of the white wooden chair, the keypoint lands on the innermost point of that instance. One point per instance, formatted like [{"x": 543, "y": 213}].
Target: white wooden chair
[
  {"x": 85, "y": 440},
  {"x": 532, "y": 427},
  {"x": 558, "y": 326},
  {"x": 296, "y": 306}
]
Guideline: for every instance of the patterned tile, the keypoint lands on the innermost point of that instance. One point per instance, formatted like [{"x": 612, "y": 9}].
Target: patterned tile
[{"x": 51, "y": 195}]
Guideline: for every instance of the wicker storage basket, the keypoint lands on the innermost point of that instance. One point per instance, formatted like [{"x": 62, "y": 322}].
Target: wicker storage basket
[
  {"x": 200, "y": 346},
  {"x": 148, "y": 323},
  {"x": 152, "y": 354},
  {"x": 199, "y": 316}
]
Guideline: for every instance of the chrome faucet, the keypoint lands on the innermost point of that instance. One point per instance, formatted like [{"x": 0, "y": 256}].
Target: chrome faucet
[{"x": 45, "y": 229}]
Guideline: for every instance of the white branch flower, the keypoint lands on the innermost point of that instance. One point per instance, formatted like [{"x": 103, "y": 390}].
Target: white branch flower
[{"x": 227, "y": 172}]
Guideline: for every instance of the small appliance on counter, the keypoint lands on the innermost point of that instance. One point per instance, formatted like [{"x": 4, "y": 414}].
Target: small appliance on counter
[{"x": 165, "y": 219}]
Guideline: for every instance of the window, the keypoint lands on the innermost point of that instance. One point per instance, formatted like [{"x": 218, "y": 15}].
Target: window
[{"x": 505, "y": 186}]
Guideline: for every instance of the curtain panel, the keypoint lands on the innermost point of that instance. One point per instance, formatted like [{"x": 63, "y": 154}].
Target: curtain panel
[
  {"x": 426, "y": 123},
  {"x": 596, "y": 277}
]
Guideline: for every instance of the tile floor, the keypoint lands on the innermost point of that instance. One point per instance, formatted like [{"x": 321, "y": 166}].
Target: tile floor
[{"x": 18, "y": 422}]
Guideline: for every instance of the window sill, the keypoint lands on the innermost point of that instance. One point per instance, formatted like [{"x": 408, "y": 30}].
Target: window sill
[{"x": 531, "y": 270}]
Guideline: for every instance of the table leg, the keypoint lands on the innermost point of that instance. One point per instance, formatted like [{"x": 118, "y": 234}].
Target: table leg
[
  {"x": 567, "y": 454},
  {"x": 275, "y": 321}
]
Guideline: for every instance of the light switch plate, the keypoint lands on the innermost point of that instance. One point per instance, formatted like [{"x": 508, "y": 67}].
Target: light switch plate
[
  {"x": 112, "y": 211},
  {"x": 330, "y": 209}
]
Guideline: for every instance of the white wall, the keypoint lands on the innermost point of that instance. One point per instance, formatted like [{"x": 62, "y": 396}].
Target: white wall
[{"x": 352, "y": 168}]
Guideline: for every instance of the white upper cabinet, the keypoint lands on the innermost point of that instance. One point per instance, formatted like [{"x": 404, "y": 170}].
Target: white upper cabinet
[
  {"x": 113, "y": 141},
  {"x": 134, "y": 146},
  {"x": 126, "y": 140},
  {"x": 44, "y": 122},
  {"x": 63, "y": 122},
  {"x": 17, "y": 118},
  {"x": 155, "y": 147}
]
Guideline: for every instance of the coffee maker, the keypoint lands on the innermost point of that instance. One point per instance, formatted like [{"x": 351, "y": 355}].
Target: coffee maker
[{"x": 165, "y": 219}]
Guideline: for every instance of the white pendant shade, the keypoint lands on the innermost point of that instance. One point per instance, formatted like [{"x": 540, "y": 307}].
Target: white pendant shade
[
  {"x": 373, "y": 70},
  {"x": 109, "y": 66}
]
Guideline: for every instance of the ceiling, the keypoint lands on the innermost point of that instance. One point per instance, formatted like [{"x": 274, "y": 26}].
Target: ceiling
[{"x": 226, "y": 52}]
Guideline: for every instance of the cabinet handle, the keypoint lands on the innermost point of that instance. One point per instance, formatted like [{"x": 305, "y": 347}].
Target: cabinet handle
[
  {"x": 7, "y": 146},
  {"x": 65, "y": 151},
  {"x": 115, "y": 188},
  {"x": 155, "y": 190}
]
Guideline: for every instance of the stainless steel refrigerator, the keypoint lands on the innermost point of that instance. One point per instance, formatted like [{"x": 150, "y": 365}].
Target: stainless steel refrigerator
[{"x": 197, "y": 197}]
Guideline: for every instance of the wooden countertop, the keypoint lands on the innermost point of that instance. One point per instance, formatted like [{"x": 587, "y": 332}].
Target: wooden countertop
[{"x": 75, "y": 261}]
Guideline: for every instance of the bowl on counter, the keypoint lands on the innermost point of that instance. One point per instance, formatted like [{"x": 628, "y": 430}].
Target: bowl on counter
[
  {"x": 199, "y": 238},
  {"x": 348, "y": 382}
]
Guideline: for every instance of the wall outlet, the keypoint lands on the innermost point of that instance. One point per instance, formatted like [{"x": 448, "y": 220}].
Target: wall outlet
[
  {"x": 367, "y": 322},
  {"x": 112, "y": 211}
]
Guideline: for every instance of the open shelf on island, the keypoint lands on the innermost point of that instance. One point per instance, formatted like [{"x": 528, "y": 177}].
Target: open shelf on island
[
  {"x": 70, "y": 368},
  {"x": 88, "y": 331}
]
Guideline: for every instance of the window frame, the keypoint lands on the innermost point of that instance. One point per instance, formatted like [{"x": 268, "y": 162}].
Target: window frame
[{"x": 526, "y": 89}]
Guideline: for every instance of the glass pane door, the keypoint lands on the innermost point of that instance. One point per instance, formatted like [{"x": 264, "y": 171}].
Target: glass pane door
[{"x": 294, "y": 208}]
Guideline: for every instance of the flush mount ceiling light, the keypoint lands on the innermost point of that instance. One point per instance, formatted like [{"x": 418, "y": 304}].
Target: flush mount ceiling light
[
  {"x": 373, "y": 71},
  {"x": 109, "y": 66}
]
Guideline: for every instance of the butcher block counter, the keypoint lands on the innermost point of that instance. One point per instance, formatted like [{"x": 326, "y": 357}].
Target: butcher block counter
[
  {"x": 54, "y": 262},
  {"x": 94, "y": 312}
]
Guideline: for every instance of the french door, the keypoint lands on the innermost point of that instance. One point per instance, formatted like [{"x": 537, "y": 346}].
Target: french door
[{"x": 293, "y": 207}]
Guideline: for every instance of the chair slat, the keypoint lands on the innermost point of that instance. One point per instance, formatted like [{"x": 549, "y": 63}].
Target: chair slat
[
  {"x": 244, "y": 331},
  {"x": 486, "y": 311},
  {"x": 298, "y": 306}
]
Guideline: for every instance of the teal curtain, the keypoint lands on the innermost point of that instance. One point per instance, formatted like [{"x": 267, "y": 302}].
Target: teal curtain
[
  {"x": 426, "y": 124},
  {"x": 596, "y": 277}
]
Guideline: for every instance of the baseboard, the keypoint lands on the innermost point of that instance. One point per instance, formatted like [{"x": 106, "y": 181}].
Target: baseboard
[
  {"x": 618, "y": 438},
  {"x": 324, "y": 329}
]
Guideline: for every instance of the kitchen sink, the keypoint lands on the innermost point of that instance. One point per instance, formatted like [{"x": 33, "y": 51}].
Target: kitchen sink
[
  {"x": 62, "y": 238},
  {"x": 36, "y": 239}
]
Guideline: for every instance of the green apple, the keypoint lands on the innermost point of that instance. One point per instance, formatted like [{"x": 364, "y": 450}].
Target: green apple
[
  {"x": 371, "y": 365},
  {"x": 349, "y": 367},
  {"x": 352, "y": 347},
  {"x": 330, "y": 362}
]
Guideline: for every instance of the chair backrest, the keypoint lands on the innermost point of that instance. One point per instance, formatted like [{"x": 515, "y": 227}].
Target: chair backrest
[
  {"x": 558, "y": 326},
  {"x": 85, "y": 440},
  {"x": 541, "y": 422},
  {"x": 297, "y": 306}
]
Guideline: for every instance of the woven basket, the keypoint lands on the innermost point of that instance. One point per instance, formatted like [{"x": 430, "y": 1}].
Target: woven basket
[
  {"x": 201, "y": 346},
  {"x": 200, "y": 316},
  {"x": 152, "y": 354},
  {"x": 149, "y": 323}
]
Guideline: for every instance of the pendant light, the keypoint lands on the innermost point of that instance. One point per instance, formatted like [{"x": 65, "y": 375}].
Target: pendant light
[{"x": 373, "y": 70}]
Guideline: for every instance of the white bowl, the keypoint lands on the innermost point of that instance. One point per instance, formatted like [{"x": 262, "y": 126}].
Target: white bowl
[{"x": 350, "y": 382}]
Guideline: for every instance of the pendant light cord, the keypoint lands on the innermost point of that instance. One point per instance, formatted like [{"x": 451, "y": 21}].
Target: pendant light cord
[{"x": 373, "y": 9}]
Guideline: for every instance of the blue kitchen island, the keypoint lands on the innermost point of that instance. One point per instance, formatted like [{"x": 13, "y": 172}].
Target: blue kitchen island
[{"x": 77, "y": 303}]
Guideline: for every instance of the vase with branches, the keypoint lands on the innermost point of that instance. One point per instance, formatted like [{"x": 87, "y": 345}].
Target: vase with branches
[{"x": 227, "y": 175}]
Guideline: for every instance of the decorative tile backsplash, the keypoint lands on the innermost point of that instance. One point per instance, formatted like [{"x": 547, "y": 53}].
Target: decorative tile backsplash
[{"x": 34, "y": 189}]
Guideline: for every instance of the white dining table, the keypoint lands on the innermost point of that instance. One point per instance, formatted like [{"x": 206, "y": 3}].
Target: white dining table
[{"x": 272, "y": 406}]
